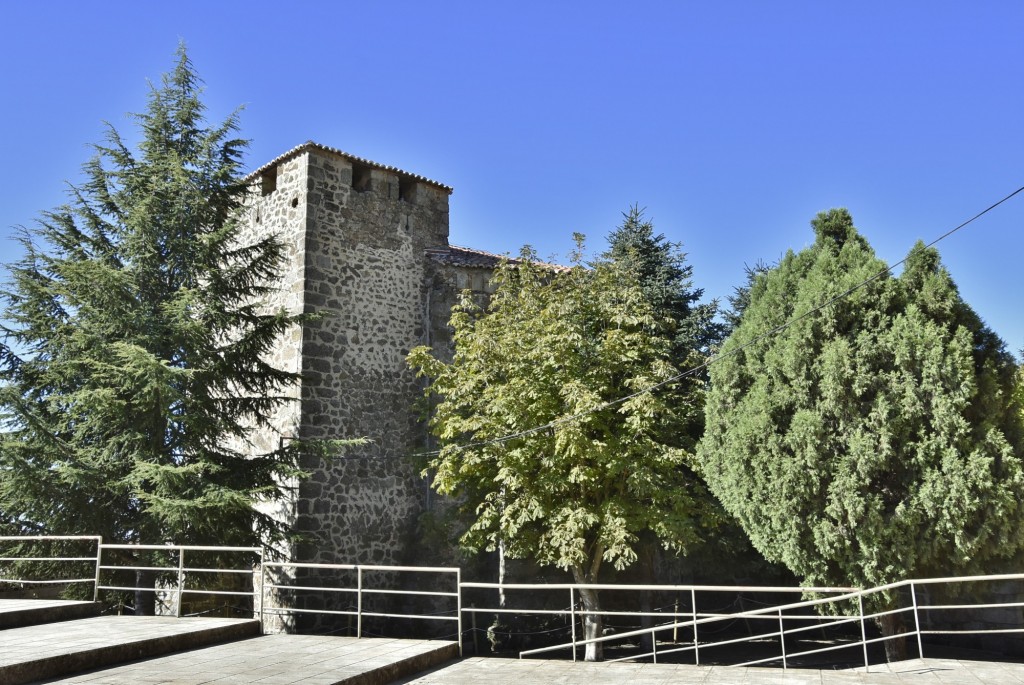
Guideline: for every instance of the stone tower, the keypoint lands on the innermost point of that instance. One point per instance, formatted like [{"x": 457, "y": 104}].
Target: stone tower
[{"x": 367, "y": 250}]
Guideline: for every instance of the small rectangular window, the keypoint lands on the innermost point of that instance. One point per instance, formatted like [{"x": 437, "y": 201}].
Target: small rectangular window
[
  {"x": 407, "y": 190},
  {"x": 360, "y": 177},
  {"x": 268, "y": 181}
]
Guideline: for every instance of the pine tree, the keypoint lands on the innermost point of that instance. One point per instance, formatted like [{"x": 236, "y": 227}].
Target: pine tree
[
  {"x": 873, "y": 440},
  {"x": 667, "y": 282},
  {"x": 133, "y": 359}
]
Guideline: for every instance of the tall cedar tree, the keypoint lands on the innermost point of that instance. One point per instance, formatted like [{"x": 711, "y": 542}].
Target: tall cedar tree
[
  {"x": 133, "y": 356},
  {"x": 555, "y": 347},
  {"x": 875, "y": 440}
]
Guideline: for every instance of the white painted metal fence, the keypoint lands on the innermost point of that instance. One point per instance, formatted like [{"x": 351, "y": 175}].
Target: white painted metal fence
[{"x": 178, "y": 577}]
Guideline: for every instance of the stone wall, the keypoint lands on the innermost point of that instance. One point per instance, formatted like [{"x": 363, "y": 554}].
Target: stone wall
[
  {"x": 358, "y": 237},
  {"x": 367, "y": 232},
  {"x": 276, "y": 207}
]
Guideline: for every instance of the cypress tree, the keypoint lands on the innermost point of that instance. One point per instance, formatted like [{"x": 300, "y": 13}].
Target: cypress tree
[{"x": 871, "y": 441}]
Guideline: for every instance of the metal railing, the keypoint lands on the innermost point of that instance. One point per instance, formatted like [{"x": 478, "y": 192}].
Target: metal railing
[
  {"x": 334, "y": 573},
  {"x": 175, "y": 571},
  {"x": 696, "y": 617},
  {"x": 910, "y": 606},
  {"x": 11, "y": 563},
  {"x": 173, "y": 574}
]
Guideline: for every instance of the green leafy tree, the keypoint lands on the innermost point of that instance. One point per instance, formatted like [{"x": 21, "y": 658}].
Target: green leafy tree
[
  {"x": 871, "y": 441},
  {"x": 133, "y": 358},
  {"x": 534, "y": 442}
]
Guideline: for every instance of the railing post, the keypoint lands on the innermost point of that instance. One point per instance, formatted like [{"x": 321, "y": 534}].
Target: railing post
[
  {"x": 458, "y": 609},
  {"x": 863, "y": 632},
  {"x": 917, "y": 621},
  {"x": 181, "y": 579},
  {"x": 572, "y": 620},
  {"x": 262, "y": 586},
  {"x": 654, "y": 646},
  {"x": 696, "y": 643},
  {"x": 99, "y": 562},
  {"x": 675, "y": 621},
  {"x": 359, "y": 601},
  {"x": 782, "y": 640}
]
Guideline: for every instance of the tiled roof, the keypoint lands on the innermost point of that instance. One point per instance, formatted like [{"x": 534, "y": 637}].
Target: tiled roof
[
  {"x": 310, "y": 145},
  {"x": 453, "y": 255}
]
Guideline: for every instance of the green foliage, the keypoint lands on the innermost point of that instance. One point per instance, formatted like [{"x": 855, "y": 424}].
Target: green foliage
[
  {"x": 556, "y": 348},
  {"x": 132, "y": 364},
  {"x": 876, "y": 439},
  {"x": 667, "y": 282}
]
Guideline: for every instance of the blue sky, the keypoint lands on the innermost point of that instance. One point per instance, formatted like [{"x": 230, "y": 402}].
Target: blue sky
[{"x": 733, "y": 123}]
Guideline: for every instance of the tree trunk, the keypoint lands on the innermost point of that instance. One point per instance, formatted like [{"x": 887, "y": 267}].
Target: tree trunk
[
  {"x": 145, "y": 595},
  {"x": 592, "y": 620},
  {"x": 647, "y": 554},
  {"x": 895, "y": 649},
  {"x": 592, "y": 624}
]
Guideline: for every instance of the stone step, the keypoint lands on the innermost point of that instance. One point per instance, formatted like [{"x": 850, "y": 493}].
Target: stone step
[
  {"x": 16, "y": 613},
  {"x": 57, "y": 649},
  {"x": 279, "y": 659}
]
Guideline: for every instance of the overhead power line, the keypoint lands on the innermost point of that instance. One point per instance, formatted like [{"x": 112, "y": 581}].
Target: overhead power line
[{"x": 712, "y": 359}]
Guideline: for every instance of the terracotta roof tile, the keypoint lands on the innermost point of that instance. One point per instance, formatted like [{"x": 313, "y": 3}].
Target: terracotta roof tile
[
  {"x": 310, "y": 145},
  {"x": 454, "y": 255}
]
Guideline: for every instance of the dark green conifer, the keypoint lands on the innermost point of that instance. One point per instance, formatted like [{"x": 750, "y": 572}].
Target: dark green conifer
[
  {"x": 133, "y": 361},
  {"x": 874, "y": 440}
]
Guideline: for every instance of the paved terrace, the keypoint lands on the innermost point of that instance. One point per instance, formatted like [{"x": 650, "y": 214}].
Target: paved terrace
[
  {"x": 535, "y": 672},
  {"x": 310, "y": 660}
]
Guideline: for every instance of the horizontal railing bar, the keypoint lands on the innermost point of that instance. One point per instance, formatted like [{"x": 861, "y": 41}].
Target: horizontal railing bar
[
  {"x": 232, "y": 593},
  {"x": 168, "y": 590},
  {"x": 550, "y": 648},
  {"x": 297, "y": 564},
  {"x": 46, "y": 582},
  {"x": 92, "y": 558},
  {"x": 673, "y": 650},
  {"x": 415, "y": 593},
  {"x": 943, "y": 607},
  {"x": 549, "y": 612},
  {"x": 820, "y": 626},
  {"x": 965, "y": 579},
  {"x": 685, "y": 624},
  {"x": 187, "y": 548},
  {"x": 139, "y": 568},
  {"x": 755, "y": 662},
  {"x": 247, "y": 571},
  {"x": 665, "y": 588},
  {"x": 972, "y": 632},
  {"x": 16, "y": 538},
  {"x": 888, "y": 612},
  {"x": 271, "y": 586},
  {"x": 286, "y": 610},
  {"x": 645, "y": 631},
  {"x": 425, "y": 618},
  {"x": 830, "y": 648},
  {"x": 356, "y": 567}
]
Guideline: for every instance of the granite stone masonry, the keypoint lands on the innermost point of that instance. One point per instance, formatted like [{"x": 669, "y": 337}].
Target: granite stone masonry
[{"x": 366, "y": 251}]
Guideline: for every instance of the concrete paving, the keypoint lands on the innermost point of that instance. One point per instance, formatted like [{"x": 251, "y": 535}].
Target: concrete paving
[
  {"x": 536, "y": 672},
  {"x": 282, "y": 660},
  {"x": 15, "y": 613},
  {"x": 54, "y": 649}
]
